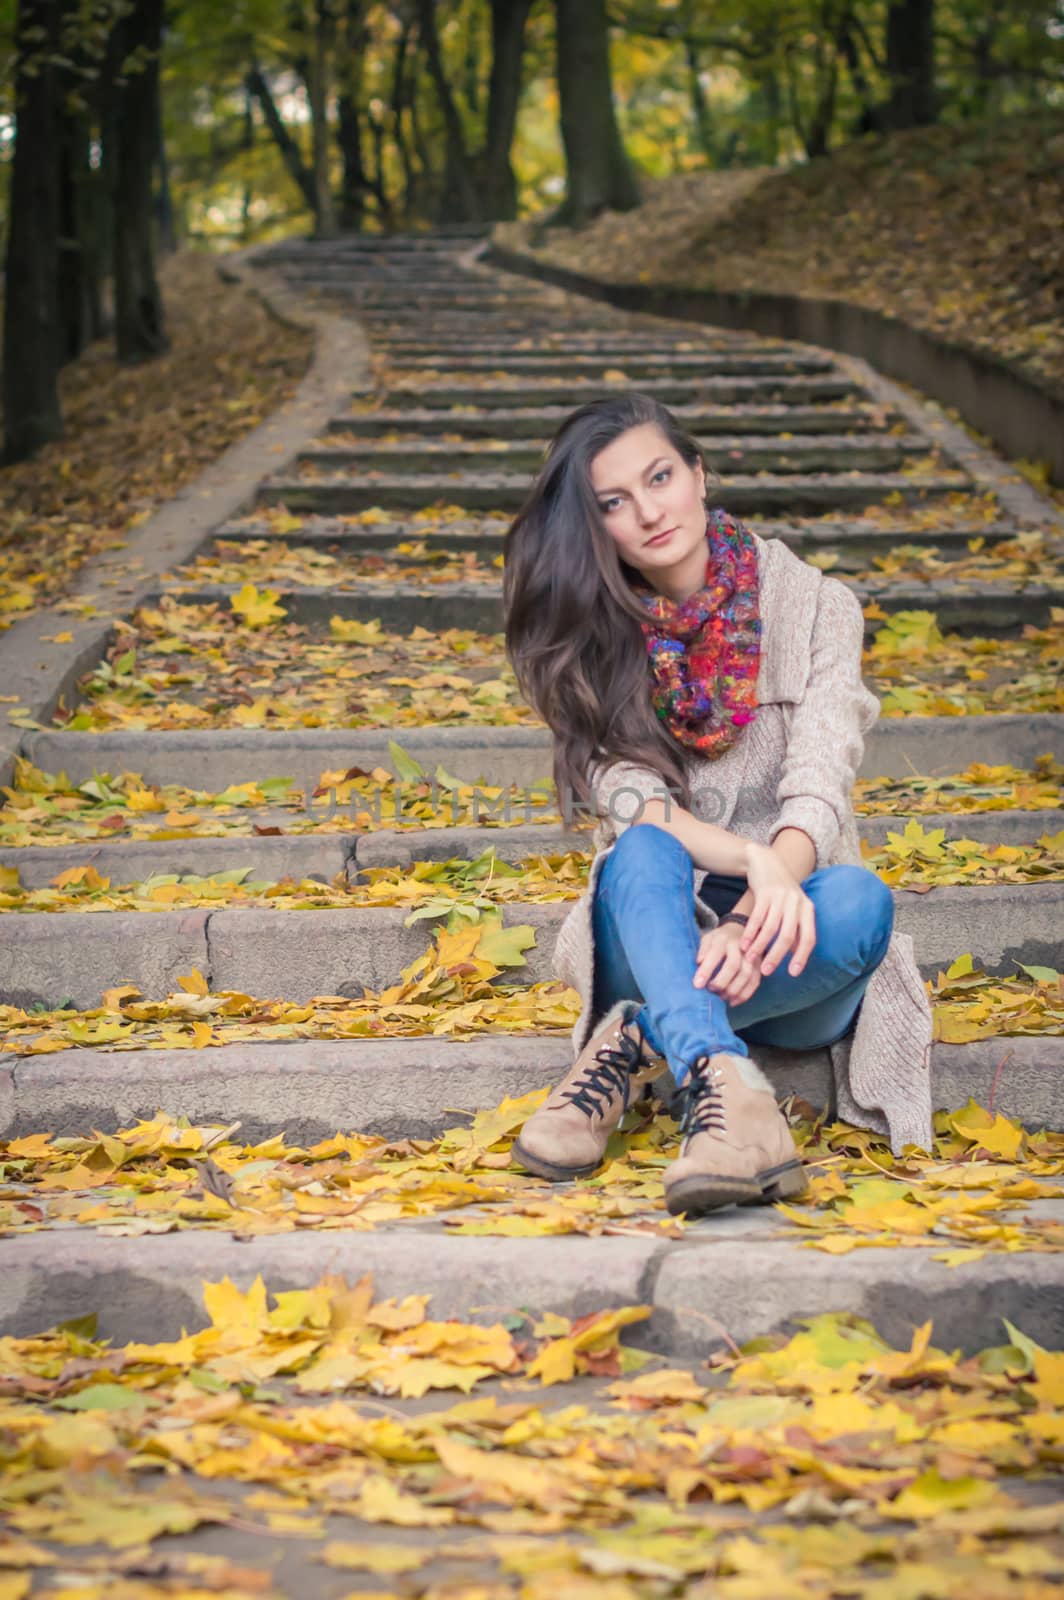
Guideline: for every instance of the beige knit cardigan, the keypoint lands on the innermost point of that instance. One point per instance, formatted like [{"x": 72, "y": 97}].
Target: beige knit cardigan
[{"x": 792, "y": 767}]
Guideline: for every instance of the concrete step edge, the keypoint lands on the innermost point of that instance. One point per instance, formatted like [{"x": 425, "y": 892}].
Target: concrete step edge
[
  {"x": 724, "y": 1275},
  {"x": 894, "y": 747},
  {"x": 416, "y": 1087},
  {"x": 324, "y": 854},
  {"x": 272, "y": 952}
]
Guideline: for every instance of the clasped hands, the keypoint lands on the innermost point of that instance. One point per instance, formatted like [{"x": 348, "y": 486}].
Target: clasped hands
[{"x": 733, "y": 959}]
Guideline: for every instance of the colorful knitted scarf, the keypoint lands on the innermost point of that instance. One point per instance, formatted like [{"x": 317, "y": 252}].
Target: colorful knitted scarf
[{"x": 705, "y": 651}]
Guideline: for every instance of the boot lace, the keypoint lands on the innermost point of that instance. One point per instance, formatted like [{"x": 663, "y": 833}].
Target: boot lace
[
  {"x": 698, "y": 1104},
  {"x": 611, "y": 1074}
]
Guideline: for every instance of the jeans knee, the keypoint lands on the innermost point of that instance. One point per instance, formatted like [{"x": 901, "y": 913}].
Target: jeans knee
[
  {"x": 860, "y": 911},
  {"x": 646, "y": 849}
]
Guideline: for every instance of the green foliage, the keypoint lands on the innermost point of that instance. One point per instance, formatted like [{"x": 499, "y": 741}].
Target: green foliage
[{"x": 719, "y": 83}]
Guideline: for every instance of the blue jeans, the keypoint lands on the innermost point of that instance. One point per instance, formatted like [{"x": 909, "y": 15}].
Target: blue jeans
[{"x": 646, "y": 948}]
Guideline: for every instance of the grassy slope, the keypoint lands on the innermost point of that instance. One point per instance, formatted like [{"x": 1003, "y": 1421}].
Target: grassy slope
[{"x": 957, "y": 230}]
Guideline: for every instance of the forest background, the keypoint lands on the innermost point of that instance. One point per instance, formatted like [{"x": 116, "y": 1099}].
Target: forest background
[{"x": 131, "y": 127}]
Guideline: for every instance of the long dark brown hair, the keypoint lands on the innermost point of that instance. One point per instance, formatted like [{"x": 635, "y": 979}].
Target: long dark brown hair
[{"x": 572, "y": 621}]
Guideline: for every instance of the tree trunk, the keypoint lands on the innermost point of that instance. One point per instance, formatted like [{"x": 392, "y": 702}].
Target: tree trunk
[
  {"x": 401, "y": 92},
  {"x": 699, "y": 103},
  {"x": 827, "y": 82},
  {"x": 350, "y": 64},
  {"x": 295, "y": 166},
  {"x": 247, "y": 146},
  {"x": 870, "y": 118},
  {"x": 499, "y": 188},
  {"x": 910, "y": 50},
  {"x": 318, "y": 91},
  {"x": 133, "y": 90},
  {"x": 599, "y": 176},
  {"x": 31, "y": 305},
  {"x": 72, "y": 152},
  {"x": 164, "y": 200},
  {"x": 460, "y": 201}
]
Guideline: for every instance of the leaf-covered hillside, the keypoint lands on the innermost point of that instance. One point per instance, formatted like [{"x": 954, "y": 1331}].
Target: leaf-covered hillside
[{"x": 957, "y": 229}]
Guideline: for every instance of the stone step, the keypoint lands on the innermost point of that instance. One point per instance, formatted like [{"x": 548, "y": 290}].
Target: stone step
[
  {"x": 399, "y": 847},
  {"x": 824, "y": 453},
  {"x": 539, "y": 422},
  {"x": 266, "y": 951},
  {"x": 746, "y": 495},
  {"x": 545, "y": 342},
  {"x": 730, "y": 1272},
  {"x": 672, "y": 364},
  {"x": 214, "y": 758},
  {"x": 856, "y": 543},
  {"x": 994, "y": 609},
  {"x": 446, "y": 239},
  {"x": 388, "y": 298},
  {"x": 671, "y": 391},
  {"x": 309, "y": 1089},
  {"x": 326, "y": 854}
]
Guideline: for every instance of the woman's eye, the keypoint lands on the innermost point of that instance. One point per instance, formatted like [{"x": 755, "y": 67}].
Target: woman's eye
[
  {"x": 664, "y": 473},
  {"x": 610, "y": 505}
]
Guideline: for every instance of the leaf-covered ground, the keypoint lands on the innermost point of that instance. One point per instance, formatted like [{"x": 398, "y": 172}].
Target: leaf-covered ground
[
  {"x": 572, "y": 1467},
  {"x": 136, "y": 435},
  {"x": 1032, "y": 557},
  {"x": 47, "y": 808},
  {"x": 241, "y": 664},
  {"x": 916, "y": 858},
  {"x": 954, "y": 229},
  {"x": 162, "y": 1174},
  {"x": 453, "y": 990}
]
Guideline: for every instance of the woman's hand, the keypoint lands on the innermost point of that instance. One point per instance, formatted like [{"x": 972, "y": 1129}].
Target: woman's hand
[
  {"x": 737, "y": 978},
  {"x": 781, "y": 907}
]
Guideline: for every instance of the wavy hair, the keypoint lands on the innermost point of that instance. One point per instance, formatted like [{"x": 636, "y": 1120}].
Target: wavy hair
[{"x": 572, "y": 621}]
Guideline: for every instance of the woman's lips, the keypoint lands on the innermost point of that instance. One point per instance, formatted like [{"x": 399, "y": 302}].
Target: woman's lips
[{"x": 659, "y": 538}]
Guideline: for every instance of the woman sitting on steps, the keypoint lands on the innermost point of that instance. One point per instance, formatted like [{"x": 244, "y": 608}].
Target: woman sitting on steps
[{"x": 703, "y": 686}]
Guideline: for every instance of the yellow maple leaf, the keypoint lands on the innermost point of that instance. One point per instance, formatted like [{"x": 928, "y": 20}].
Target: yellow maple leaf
[{"x": 257, "y": 607}]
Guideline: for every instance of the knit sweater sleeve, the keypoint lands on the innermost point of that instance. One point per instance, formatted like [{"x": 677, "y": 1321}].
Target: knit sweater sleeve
[
  {"x": 619, "y": 793},
  {"x": 826, "y": 728}
]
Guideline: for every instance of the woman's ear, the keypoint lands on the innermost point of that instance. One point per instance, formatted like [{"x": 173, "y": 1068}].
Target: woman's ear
[{"x": 700, "y": 473}]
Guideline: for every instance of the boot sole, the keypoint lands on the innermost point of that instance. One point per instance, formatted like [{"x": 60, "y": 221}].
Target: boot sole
[
  {"x": 708, "y": 1191},
  {"x": 547, "y": 1169}
]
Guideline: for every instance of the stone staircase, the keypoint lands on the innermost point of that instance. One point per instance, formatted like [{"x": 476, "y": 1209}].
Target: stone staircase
[{"x": 473, "y": 370}]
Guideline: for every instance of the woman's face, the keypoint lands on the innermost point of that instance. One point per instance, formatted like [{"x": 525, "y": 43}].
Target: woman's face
[{"x": 653, "y": 505}]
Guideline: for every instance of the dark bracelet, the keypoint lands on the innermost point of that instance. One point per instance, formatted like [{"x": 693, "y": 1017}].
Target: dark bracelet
[{"x": 733, "y": 916}]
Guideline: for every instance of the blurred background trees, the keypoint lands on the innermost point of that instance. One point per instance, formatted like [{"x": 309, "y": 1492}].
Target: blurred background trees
[{"x": 129, "y": 126}]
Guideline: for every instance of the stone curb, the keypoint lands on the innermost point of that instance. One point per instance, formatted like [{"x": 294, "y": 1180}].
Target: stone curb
[
  {"x": 500, "y": 755},
  {"x": 39, "y": 671},
  {"x": 323, "y": 855},
  {"x": 311, "y": 1089},
  {"x": 271, "y": 952},
  {"x": 727, "y": 1278}
]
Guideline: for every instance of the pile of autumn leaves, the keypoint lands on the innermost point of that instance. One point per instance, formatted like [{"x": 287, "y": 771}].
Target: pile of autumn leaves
[{"x": 826, "y": 1464}]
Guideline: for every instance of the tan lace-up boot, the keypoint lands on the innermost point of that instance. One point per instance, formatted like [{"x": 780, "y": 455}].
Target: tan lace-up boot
[
  {"x": 737, "y": 1146},
  {"x": 567, "y": 1136}
]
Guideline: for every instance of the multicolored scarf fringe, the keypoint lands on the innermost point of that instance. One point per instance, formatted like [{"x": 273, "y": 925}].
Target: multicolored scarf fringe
[{"x": 705, "y": 651}]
